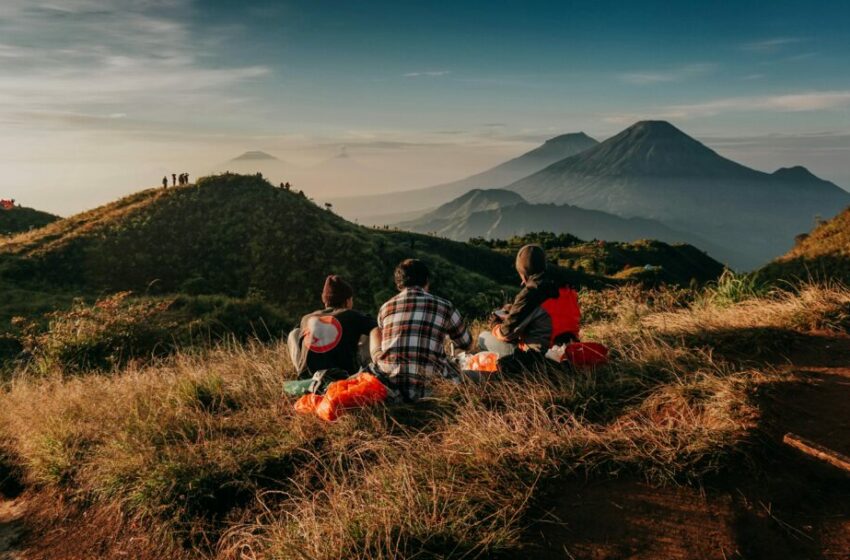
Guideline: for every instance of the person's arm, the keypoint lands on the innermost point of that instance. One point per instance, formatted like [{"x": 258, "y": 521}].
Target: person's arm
[
  {"x": 511, "y": 328},
  {"x": 376, "y": 340},
  {"x": 458, "y": 332}
]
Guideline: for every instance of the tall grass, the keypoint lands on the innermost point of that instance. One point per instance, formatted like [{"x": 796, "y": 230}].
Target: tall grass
[{"x": 202, "y": 455}]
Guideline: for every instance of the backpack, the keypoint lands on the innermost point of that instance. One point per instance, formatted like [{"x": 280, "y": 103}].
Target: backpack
[{"x": 324, "y": 377}]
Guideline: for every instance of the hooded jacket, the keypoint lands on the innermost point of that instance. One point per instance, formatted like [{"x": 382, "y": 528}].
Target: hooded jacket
[{"x": 528, "y": 322}]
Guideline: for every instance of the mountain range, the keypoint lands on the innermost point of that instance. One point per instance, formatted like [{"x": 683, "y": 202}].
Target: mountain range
[
  {"x": 653, "y": 170},
  {"x": 502, "y": 214},
  {"x": 405, "y": 203}
]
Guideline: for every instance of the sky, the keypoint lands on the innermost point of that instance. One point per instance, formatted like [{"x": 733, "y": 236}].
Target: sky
[{"x": 100, "y": 98}]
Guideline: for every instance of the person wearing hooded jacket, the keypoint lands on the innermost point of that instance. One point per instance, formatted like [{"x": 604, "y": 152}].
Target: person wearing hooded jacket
[{"x": 531, "y": 322}]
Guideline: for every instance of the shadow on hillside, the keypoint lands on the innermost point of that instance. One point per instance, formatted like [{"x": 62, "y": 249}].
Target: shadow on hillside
[
  {"x": 823, "y": 269},
  {"x": 771, "y": 502},
  {"x": 771, "y": 345}
]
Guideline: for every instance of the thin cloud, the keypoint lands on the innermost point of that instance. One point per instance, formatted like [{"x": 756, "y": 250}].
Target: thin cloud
[
  {"x": 790, "y": 103},
  {"x": 678, "y": 74},
  {"x": 429, "y": 73},
  {"x": 771, "y": 45},
  {"x": 84, "y": 58}
]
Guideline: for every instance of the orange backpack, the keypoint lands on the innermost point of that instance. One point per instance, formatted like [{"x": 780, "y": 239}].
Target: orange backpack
[{"x": 361, "y": 390}]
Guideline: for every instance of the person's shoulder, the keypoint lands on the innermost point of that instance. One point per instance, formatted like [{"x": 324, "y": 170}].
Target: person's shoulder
[
  {"x": 316, "y": 313},
  {"x": 390, "y": 302},
  {"x": 355, "y": 313},
  {"x": 442, "y": 301}
]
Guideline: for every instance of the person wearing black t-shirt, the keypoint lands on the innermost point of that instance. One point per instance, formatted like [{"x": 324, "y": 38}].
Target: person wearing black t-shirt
[{"x": 332, "y": 338}]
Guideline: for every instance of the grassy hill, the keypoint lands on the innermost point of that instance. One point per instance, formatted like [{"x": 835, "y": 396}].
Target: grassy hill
[
  {"x": 232, "y": 254},
  {"x": 18, "y": 219},
  {"x": 645, "y": 261},
  {"x": 236, "y": 236},
  {"x": 202, "y": 456},
  {"x": 824, "y": 254}
]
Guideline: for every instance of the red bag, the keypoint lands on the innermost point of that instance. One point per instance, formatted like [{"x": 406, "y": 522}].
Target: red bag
[
  {"x": 586, "y": 354},
  {"x": 565, "y": 313}
]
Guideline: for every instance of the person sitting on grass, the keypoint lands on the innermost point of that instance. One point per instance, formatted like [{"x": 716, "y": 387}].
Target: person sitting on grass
[
  {"x": 408, "y": 347},
  {"x": 334, "y": 337},
  {"x": 541, "y": 315}
]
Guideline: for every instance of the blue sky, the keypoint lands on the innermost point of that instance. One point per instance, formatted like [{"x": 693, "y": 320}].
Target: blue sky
[{"x": 99, "y": 96}]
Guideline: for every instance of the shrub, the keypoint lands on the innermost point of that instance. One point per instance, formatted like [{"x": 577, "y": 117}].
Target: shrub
[{"x": 121, "y": 328}]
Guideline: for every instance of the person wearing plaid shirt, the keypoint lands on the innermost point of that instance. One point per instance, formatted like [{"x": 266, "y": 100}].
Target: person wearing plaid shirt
[{"x": 409, "y": 344}]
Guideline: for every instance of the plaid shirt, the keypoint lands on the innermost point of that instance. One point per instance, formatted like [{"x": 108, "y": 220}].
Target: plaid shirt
[{"x": 415, "y": 325}]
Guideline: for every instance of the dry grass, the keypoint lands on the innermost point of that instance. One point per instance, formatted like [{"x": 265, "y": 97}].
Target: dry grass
[{"x": 202, "y": 455}]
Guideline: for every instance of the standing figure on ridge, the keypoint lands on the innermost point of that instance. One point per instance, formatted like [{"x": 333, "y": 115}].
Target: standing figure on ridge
[
  {"x": 165, "y": 182},
  {"x": 174, "y": 179}
]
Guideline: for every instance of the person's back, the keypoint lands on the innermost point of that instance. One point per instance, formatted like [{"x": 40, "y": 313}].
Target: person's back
[
  {"x": 541, "y": 315},
  {"x": 330, "y": 338},
  {"x": 413, "y": 328}
]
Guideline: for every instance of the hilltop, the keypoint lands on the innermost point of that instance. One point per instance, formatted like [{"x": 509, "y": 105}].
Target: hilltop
[
  {"x": 654, "y": 170},
  {"x": 20, "y": 219},
  {"x": 824, "y": 254},
  {"x": 235, "y": 236},
  {"x": 405, "y": 202}
]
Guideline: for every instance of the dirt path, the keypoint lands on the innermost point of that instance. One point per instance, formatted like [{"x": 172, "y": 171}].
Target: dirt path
[{"x": 783, "y": 506}]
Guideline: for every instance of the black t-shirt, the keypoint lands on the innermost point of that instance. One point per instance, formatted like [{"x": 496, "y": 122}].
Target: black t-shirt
[{"x": 330, "y": 337}]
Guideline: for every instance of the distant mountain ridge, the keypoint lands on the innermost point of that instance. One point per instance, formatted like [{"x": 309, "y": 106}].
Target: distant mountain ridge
[
  {"x": 404, "y": 202},
  {"x": 502, "y": 214},
  {"x": 653, "y": 170},
  {"x": 255, "y": 155}
]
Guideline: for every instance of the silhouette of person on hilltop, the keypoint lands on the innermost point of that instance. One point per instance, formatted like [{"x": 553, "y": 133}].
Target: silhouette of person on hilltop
[
  {"x": 174, "y": 179},
  {"x": 165, "y": 182}
]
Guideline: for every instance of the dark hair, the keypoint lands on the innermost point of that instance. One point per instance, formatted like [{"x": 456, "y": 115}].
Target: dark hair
[
  {"x": 411, "y": 273},
  {"x": 336, "y": 291}
]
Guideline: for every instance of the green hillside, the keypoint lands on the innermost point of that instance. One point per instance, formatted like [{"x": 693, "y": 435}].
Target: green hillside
[
  {"x": 238, "y": 236},
  {"x": 20, "y": 219},
  {"x": 646, "y": 262},
  {"x": 823, "y": 254}
]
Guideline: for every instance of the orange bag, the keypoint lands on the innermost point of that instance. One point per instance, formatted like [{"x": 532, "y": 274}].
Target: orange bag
[
  {"x": 364, "y": 389},
  {"x": 586, "y": 354},
  {"x": 483, "y": 361},
  {"x": 308, "y": 403}
]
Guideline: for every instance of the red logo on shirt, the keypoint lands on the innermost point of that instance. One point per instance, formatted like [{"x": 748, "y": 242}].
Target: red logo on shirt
[{"x": 323, "y": 334}]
